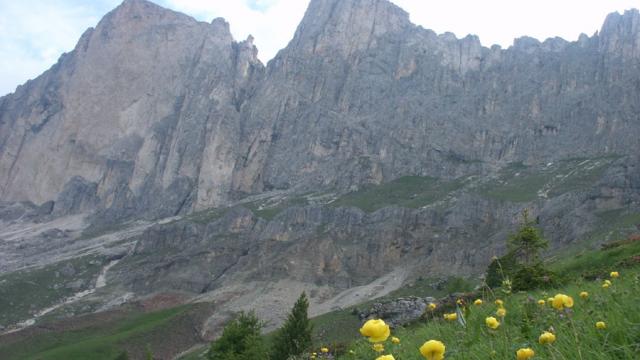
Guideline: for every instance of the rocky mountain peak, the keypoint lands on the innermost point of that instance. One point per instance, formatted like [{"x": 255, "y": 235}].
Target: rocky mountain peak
[
  {"x": 620, "y": 34},
  {"x": 346, "y": 26}
]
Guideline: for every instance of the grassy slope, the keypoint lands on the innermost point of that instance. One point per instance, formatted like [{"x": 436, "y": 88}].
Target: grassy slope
[
  {"x": 23, "y": 291},
  {"x": 519, "y": 183},
  {"x": 577, "y": 337},
  {"x": 407, "y": 191},
  {"x": 103, "y": 339}
]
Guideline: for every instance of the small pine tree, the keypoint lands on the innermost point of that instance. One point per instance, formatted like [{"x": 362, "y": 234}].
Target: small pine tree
[
  {"x": 527, "y": 242},
  {"x": 240, "y": 340},
  {"x": 294, "y": 337},
  {"x": 522, "y": 266}
]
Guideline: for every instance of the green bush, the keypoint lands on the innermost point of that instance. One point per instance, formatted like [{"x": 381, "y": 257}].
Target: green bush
[
  {"x": 294, "y": 337},
  {"x": 240, "y": 340},
  {"x": 534, "y": 277},
  {"x": 521, "y": 268}
]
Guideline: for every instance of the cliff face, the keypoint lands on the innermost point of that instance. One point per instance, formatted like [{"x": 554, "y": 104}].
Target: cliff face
[
  {"x": 156, "y": 115},
  {"x": 142, "y": 113}
]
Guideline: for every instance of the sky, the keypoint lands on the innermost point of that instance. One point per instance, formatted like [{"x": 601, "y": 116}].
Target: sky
[{"x": 34, "y": 33}]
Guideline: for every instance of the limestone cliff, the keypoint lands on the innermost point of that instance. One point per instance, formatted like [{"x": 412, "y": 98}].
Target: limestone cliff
[
  {"x": 154, "y": 113},
  {"x": 368, "y": 151}
]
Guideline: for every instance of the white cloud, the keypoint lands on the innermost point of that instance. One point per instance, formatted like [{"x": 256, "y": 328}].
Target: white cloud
[
  {"x": 500, "y": 21},
  {"x": 34, "y": 33},
  {"x": 271, "y": 22}
]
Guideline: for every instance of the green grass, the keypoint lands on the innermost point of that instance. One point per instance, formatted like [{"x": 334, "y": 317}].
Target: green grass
[
  {"x": 342, "y": 325},
  {"x": 526, "y": 320},
  {"x": 23, "y": 292},
  {"x": 520, "y": 183},
  {"x": 98, "y": 342},
  {"x": 577, "y": 337},
  {"x": 269, "y": 211},
  {"x": 207, "y": 216},
  {"x": 591, "y": 264},
  {"x": 408, "y": 191}
]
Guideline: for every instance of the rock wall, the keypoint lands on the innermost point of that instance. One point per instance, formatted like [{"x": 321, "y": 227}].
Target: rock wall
[{"x": 155, "y": 114}]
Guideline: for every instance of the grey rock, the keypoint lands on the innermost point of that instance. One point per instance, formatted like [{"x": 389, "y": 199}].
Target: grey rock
[{"x": 157, "y": 115}]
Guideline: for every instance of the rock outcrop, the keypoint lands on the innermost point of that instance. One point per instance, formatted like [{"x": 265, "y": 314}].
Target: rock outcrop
[
  {"x": 155, "y": 117},
  {"x": 158, "y": 114}
]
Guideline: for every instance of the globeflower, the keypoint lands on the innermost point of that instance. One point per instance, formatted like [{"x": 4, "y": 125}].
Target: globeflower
[
  {"x": 614, "y": 274},
  {"x": 584, "y": 294},
  {"x": 432, "y": 306},
  {"x": 385, "y": 357},
  {"x": 432, "y": 350},
  {"x": 378, "y": 347},
  {"x": 477, "y": 302},
  {"x": 499, "y": 302},
  {"x": 502, "y": 312},
  {"x": 324, "y": 350},
  {"x": 547, "y": 338},
  {"x": 451, "y": 317},
  {"x": 541, "y": 302},
  {"x": 561, "y": 301},
  {"x": 524, "y": 354},
  {"x": 550, "y": 300},
  {"x": 395, "y": 340},
  {"x": 376, "y": 330},
  {"x": 601, "y": 325},
  {"x": 492, "y": 322}
]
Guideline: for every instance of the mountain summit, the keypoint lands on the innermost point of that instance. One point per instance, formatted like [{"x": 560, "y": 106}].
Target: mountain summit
[{"x": 367, "y": 153}]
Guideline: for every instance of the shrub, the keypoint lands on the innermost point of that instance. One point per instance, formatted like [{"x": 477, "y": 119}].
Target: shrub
[
  {"x": 294, "y": 337},
  {"x": 240, "y": 340}
]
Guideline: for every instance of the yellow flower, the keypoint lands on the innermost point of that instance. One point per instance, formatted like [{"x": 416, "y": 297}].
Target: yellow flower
[
  {"x": 324, "y": 350},
  {"x": 601, "y": 325},
  {"x": 432, "y": 350},
  {"x": 550, "y": 301},
  {"x": 502, "y": 312},
  {"x": 477, "y": 302},
  {"x": 314, "y": 354},
  {"x": 614, "y": 274},
  {"x": 385, "y": 357},
  {"x": 524, "y": 354},
  {"x": 541, "y": 302},
  {"x": 584, "y": 294},
  {"x": 432, "y": 306},
  {"x": 378, "y": 347},
  {"x": 492, "y": 322},
  {"x": 561, "y": 301},
  {"x": 395, "y": 340},
  {"x": 376, "y": 330},
  {"x": 547, "y": 338},
  {"x": 499, "y": 302},
  {"x": 451, "y": 317},
  {"x": 606, "y": 285}
]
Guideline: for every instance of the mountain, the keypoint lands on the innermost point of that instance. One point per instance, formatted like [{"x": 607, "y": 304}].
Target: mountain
[{"x": 161, "y": 156}]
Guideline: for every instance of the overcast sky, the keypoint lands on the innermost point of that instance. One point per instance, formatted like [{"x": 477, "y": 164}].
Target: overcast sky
[{"x": 34, "y": 33}]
